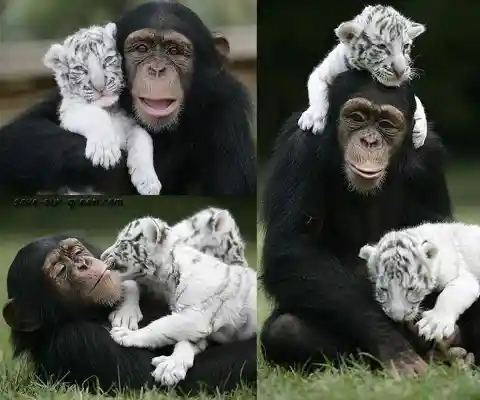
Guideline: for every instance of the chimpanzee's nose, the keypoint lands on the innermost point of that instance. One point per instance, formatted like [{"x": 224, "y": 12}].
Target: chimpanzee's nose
[
  {"x": 156, "y": 70},
  {"x": 370, "y": 142}
]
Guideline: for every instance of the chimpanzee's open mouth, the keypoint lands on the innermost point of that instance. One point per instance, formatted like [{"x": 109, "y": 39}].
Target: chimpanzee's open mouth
[{"x": 159, "y": 107}]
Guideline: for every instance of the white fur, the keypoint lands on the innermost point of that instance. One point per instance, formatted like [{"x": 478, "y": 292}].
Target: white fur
[
  {"x": 128, "y": 314},
  {"x": 212, "y": 231},
  {"x": 194, "y": 278},
  {"x": 346, "y": 55},
  {"x": 442, "y": 257},
  {"x": 169, "y": 370},
  {"x": 322, "y": 76},
  {"x": 90, "y": 86},
  {"x": 198, "y": 311}
]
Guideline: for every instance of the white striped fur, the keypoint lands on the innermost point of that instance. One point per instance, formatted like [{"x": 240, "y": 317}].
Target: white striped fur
[
  {"x": 405, "y": 266},
  {"x": 208, "y": 298},
  {"x": 378, "y": 40},
  {"x": 88, "y": 70},
  {"x": 213, "y": 231}
]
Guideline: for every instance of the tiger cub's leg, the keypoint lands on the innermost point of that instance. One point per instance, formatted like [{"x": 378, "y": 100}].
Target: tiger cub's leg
[
  {"x": 458, "y": 295},
  {"x": 188, "y": 325},
  {"x": 169, "y": 370},
  {"x": 127, "y": 314},
  {"x": 140, "y": 162},
  {"x": 420, "y": 127}
]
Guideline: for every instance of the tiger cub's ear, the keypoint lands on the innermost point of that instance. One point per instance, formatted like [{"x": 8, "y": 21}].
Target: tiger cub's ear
[
  {"x": 366, "y": 252},
  {"x": 429, "y": 249},
  {"x": 347, "y": 31},
  {"x": 55, "y": 58},
  {"x": 111, "y": 29},
  {"x": 415, "y": 29},
  {"x": 155, "y": 230},
  {"x": 222, "y": 221}
]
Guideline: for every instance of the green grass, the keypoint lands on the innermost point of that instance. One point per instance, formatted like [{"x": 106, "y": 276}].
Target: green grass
[
  {"x": 16, "y": 378},
  {"x": 358, "y": 383}
]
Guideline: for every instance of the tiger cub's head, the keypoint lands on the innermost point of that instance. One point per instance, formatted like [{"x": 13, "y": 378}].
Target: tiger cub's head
[
  {"x": 138, "y": 249},
  {"x": 214, "y": 231},
  {"x": 87, "y": 66},
  {"x": 400, "y": 267},
  {"x": 380, "y": 40}
]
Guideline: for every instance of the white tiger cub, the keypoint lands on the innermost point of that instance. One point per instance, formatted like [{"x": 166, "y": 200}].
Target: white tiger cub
[
  {"x": 208, "y": 298},
  {"x": 88, "y": 71},
  {"x": 213, "y": 231},
  {"x": 378, "y": 40},
  {"x": 407, "y": 265}
]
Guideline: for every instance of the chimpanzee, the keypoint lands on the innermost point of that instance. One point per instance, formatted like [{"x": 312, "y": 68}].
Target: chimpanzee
[
  {"x": 328, "y": 195},
  {"x": 59, "y": 297},
  {"x": 203, "y": 146}
]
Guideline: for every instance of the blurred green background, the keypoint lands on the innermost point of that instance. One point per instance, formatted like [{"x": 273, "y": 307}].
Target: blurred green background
[
  {"x": 20, "y": 219},
  {"x": 51, "y": 19}
]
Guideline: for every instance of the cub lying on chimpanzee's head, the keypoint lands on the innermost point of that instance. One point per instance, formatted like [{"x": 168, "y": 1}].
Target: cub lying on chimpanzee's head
[
  {"x": 378, "y": 40},
  {"x": 88, "y": 71},
  {"x": 208, "y": 299},
  {"x": 407, "y": 265}
]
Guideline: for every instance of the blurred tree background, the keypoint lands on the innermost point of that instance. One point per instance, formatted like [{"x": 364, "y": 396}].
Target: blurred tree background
[
  {"x": 51, "y": 19},
  {"x": 295, "y": 36}
]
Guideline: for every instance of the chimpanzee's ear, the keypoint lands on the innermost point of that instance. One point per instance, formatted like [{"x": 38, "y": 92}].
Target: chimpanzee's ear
[
  {"x": 19, "y": 318},
  {"x": 222, "y": 44}
]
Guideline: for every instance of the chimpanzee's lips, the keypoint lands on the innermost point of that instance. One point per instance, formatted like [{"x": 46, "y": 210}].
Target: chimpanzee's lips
[
  {"x": 367, "y": 173},
  {"x": 159, "y": 107}
]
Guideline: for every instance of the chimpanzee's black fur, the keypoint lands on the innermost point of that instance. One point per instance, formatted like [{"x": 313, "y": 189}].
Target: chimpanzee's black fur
[{"x": 315, "y": 226}]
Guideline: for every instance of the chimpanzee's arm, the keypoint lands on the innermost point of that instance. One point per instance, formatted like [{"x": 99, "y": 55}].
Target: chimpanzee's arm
[{"x": 84, "y": 350}]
